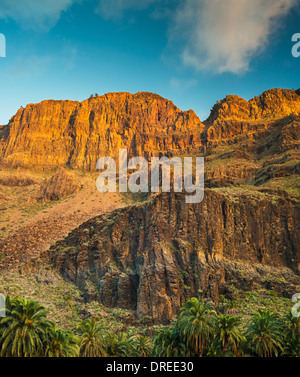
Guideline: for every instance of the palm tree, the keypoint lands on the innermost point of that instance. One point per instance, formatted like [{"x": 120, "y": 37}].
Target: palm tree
[
  {"x": 68, "y": 298},
  {"x": 25, "y": 328},
  {"x": 61, "y": 343},
  {"x": 291, "y": 335},
  {"x": 231, "y": 307},
  {"x": 92, "y": 343},
  {"x": 143, "y": 346},
  {"x": 195, "y": 324},
  {"x": 292, "y": 348},
  {"x": 228, "y": 334},
  {"x": 292, "y": 326},
  {"x": 121, "y": 344},
  {"x": 168, "y": 342},
  {"x": 264, "y": 334}
]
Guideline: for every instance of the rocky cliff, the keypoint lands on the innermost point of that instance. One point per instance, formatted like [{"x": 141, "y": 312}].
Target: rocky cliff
[
  {"x": 274, "y": 103},
  {"x": 76, "y": 134},
  {"x": 234, "y": 116},
  {"x": 152, "y": 257}
]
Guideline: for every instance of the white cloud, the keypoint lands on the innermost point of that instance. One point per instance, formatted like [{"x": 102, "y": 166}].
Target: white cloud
[
  {"x": 222, "y": 36},
  {"x": 210, "y": 35},
  {"x": 114, "y": 9},
  {"x": 213, "y": 35},
  {"x": 34, "y": 14}
]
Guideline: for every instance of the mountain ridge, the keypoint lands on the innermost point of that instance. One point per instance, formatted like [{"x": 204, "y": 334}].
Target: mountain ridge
[
  {"x": 75, "y": 134},
  {"x": 72, "y": 133},
  {"x": 151, "y": 256}
]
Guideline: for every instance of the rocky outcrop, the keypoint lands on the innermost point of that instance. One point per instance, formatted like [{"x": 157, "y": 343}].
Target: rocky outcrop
[
  {"x": 234, "y": 119},
  {"x": 152, "y": 257},
  {"x": 60, "y": 185},
  {"x": 274, "y": 103},
  {"x": 266, "y": 151},
  {"x": 76, "y": 134}
]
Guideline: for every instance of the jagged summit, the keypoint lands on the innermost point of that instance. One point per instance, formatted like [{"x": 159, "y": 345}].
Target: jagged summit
[
  {"x": 271, "y": 103},
  {"x": 75, "y": 134}
]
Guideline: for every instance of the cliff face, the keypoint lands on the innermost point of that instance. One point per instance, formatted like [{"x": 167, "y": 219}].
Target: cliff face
[
  {"x": 76, "y": 134},
  {"x": 274, "y": 103},
  {"x": 268, "y": 152},
  {"x": 234, "y": 116},
  {"x": 152, "y": 257}
]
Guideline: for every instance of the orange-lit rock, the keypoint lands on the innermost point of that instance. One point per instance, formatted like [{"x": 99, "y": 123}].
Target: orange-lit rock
[{"x": 76, "y": 134}]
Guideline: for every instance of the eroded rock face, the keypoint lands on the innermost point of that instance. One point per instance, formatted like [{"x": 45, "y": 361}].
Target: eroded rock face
[
  {"x": 254, "y": 119},
  {"x": 76, "y": 134},
  {"x": 152, "y": 257},
  {"x": 272, "y": 103}
]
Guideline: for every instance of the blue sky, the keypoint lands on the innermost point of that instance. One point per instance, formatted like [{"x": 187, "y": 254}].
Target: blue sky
[{"x": 193, "y": 52}]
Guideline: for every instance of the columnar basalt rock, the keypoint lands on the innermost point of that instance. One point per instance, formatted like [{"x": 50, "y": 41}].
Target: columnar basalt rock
[
  {"x": 76, "y": 134},
  {"x": 152, "y": 257}
]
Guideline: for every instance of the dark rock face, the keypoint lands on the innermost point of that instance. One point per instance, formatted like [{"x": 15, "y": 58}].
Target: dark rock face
[{"x": 152, "y": 257}]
